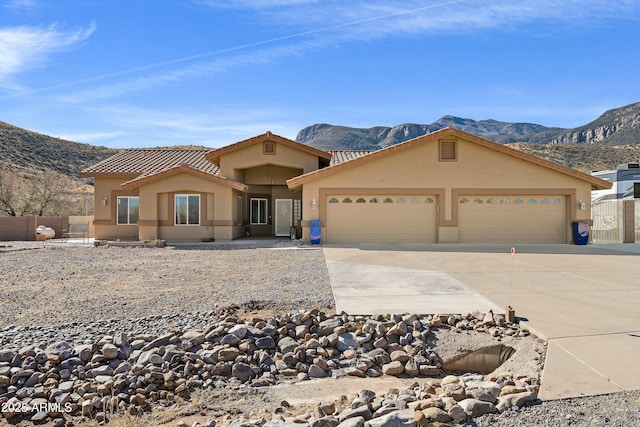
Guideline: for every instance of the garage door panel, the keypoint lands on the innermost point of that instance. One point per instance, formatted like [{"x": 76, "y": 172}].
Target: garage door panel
[
  {"x": 379, "y": 219},
  {"x": 512, "y": 219}
]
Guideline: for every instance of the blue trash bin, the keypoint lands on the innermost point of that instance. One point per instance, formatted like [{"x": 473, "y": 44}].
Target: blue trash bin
[
  {"x": 580, "y": 232},
  {"x": 315, "y": 232}
]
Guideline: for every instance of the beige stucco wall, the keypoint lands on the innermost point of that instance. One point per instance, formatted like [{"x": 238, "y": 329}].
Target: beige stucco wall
[
  {"x": 156, "y": 209},
  {"x": 105, "y": 214},
  {"x": 476, "y": 170},
  {"x": 234, "y": 163},
  {"x": 270, "y": 175},
  {"x": 218, "y": 209}
]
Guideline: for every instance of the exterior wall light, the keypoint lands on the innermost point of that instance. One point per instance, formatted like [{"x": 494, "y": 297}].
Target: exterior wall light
[
  {"x": 314, "y": 204},
  {"x": 105, "y": 200},
  {"x": 582, "y": 205}
]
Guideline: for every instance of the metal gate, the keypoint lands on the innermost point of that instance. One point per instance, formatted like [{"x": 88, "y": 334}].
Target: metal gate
[
  {"x": 637, "y": 220},
  {"x": 608, "y": 224}
]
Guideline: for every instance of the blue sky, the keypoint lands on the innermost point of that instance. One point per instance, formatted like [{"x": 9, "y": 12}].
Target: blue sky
[{"x": 146, "y": 73}]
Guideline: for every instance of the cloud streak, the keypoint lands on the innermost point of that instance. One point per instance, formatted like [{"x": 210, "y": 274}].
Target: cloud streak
[
  {"x": 25, "y": 48},
  {"x": 328, "y": 24}
]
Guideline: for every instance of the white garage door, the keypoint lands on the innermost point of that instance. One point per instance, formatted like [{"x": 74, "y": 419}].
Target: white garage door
[
  {"x": 366, "y": 218},
  {"x": 512, "y": 219}
]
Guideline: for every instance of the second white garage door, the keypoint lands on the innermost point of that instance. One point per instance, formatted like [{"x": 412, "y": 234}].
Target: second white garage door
[
  {"x": 512, "y": 219},
  {"x": 366, "y": 218}
]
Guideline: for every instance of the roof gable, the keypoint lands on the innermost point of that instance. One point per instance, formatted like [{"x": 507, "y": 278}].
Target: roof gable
[
  {"x": 433, "y": 138},
  {"x": 183, "y": 168},
  {"x": 214, "y": 155}
]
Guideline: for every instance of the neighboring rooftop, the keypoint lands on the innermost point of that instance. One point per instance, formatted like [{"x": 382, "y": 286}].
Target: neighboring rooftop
[{"x": 341, "y": 156}]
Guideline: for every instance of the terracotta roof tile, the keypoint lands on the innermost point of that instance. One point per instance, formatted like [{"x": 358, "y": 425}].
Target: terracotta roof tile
[
  {"x": 145, "y": 162},
  {"x": 341, "y": 156}
]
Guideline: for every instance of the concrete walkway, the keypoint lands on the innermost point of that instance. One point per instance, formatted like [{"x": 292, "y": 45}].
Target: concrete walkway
[{"x": 585, "y": 300}]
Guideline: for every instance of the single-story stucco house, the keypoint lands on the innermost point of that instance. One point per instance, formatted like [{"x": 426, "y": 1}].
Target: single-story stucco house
[{"x": 446, "y": 186}]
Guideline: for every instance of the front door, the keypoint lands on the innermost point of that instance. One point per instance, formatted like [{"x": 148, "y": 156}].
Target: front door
[{"x": 284, "y": 217}]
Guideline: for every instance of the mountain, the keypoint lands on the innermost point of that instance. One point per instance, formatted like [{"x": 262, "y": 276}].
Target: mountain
[
  {"x": 328, "y": 137},
  {"x": 30, "y": 152}
]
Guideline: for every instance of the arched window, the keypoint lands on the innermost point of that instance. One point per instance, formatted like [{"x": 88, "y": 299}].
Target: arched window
[
  {"x": 347, "y": 200},
  {"x": 491, "y": 201},
  {"x": 478, "y": 201},
  {"x": 465, "y": 200},
  {"x": 388, "y": 200},
  {"x": 518, "y": 201},
  {"x": 558, "y": 201},
  {"x": 532, "y": 202},
  {"x": 415, "y": 200},
  {"x": 545, "y": 201},
  {"x": 374, "y": 200},
  {"x": 361, "y": 200},
  {"x": 333, "y": 200},
  {"x": 428, "y": 200},
  {"x": 401, "y": 200}
]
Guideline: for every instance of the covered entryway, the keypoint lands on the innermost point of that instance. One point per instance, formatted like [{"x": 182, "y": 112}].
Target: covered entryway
[
  {"x": 366, "y": 218},
  {"x": 512, "y": 219}
]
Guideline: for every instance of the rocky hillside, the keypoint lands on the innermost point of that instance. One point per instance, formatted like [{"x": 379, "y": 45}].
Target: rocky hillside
[
  {"x": 620, "y": 126},
  {"x": 585, "y": 158},
  {"x": 26, "y": 151},
  {"x": 612, "y": 139}
]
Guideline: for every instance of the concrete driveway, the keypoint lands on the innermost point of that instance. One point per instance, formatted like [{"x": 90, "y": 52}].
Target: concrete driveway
[{"x": 585, "y": 300}]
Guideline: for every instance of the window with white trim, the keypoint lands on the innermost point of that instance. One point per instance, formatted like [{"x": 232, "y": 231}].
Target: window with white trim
[
  {"x": 258, "y": 211},
  {"x": 128, "y": 210},
  {"x": 187, "y": 207}
]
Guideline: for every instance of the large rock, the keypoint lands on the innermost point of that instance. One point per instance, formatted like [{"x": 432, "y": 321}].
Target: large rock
[
  {"x": 517, "y": 399},
  {"x": 287, "y": 344},
  {"x": 109, "y": 351},
  {"x": 476, "y": 408},
  {"x": 328, "y": 421},
  {"x": 242, "y": 371},
  {"x": 361, "y": 411},
  {"x": 483, "y": 390},
  {"x": 401, "y": 418},
  {"x": 326, "y": 327},
  {"x": 316, "y": 371},
  {"x": 228, "y": 354},
  {"x": 265, "y": 343},
  {"x": 353, "y": 422},
  {"x": 346, "y": 341},
  {"x": 434, "y": 414},
  {"x": 393, "y": 368}
]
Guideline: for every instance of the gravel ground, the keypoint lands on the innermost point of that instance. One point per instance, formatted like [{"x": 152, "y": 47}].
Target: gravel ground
[
  {"x": 81, "y": 294},
  {"x": 55, "y": 285}
]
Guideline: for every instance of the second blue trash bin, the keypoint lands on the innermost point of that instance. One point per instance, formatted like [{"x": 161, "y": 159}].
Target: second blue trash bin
[
  {"x": 580, "y": 232},
  {"x": 315, "y": 232}
]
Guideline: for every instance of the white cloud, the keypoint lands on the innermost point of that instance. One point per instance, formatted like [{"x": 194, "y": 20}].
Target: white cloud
[
  {"x": 253, "y": 4},
  {"x": 24, "y": 48},
  {"x": 19, "y": 4},
  {"x": 326, "y": 24},
  {"x": 129, "y": 126}
]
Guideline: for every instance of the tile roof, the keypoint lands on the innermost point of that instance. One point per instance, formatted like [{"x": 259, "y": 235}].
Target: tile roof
[
  {"x": 146, "y": 162},
  {"x": 341, "y": 156},
  {"x": 148, "y": 178}
]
